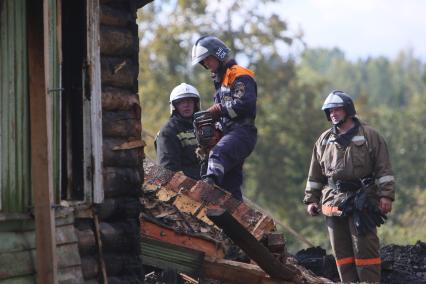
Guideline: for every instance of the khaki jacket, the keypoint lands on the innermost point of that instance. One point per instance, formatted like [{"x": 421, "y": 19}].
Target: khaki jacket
[{"x": 367, "y": 154}]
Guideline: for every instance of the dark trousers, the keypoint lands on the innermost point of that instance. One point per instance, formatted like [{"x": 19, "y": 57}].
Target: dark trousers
[
  {"x": 357, "y": 257},
  {"x": 227, "y": 157}
]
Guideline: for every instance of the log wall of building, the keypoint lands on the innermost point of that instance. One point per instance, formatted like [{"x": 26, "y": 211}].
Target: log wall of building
[{"x": 109, "y": 235}]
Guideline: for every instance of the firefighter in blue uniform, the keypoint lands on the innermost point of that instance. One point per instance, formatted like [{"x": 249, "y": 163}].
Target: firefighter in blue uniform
[{"x": 235, "y": 107}]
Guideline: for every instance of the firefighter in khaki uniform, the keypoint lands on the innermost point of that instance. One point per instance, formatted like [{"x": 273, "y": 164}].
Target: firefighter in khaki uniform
[{"x": 351, "y": 177}]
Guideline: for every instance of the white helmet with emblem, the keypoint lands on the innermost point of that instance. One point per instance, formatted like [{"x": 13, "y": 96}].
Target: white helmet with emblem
[{"x": 182, "y": 91}]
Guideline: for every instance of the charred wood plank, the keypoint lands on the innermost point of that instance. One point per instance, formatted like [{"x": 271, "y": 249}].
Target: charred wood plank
[
  {"x": 248, "y": 243},
  {"x": 275, "y": 242},
  {"x": 236, "y": 272}
]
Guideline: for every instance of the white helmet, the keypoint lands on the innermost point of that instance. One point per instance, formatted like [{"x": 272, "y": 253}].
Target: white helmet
[{"x": 181, "y": 91}]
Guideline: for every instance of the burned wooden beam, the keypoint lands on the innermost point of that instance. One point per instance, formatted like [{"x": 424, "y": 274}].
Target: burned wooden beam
[
  {"x": 275, "y": 242},
  {"x": 248, "y": 243},
  {"x": 236, "y": 272}
]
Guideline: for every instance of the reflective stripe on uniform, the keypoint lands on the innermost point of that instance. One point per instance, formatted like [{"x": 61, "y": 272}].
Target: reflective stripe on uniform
[
  {"x": 224, "y": 89},
  {"x": 330, "y": 210},
  {"x": 215, "y": 165},
  {"x": 189, "y": 142},
  {"x": 185, "y": 135},
  {"x": 231, "y": 112},
  {"x": 332, "y": 140},
  {"x": 187, "y": 138},
  {"x": 314, "y": 185},
  {"x": 368, "y": 261},
  {"x": 328, "y": 141},
  {"x": 384, "y": 179},
  {"x": 358, "y": 138},
  {"x": 344, "y": 261}
]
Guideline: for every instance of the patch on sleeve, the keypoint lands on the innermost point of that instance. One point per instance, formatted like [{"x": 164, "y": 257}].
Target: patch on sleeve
[{"x": 239, "y": 90}]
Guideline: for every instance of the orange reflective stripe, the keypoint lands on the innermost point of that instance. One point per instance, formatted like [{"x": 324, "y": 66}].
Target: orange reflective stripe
[
  {"x": 235, "y": 71},
  {"x": 331, "y": 210},
  {"x": 368, "y": 261},
  {"x": 346, "y": 260}
]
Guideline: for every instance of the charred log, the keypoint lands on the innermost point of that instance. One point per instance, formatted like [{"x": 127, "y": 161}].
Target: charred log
[
  {"x": 251, "y": 246},
  {"x": 119, "y": 72},
  {"x": 121, "y": 124},
  {"x": 114, "y": 99},
  {"x": 114, "y": 17},
  {"x": 123, "y": 265},
  {"x": 86, "y": 242},
  {"x": 120, "y": 237},
  {"x": 89, "y": 267},
  {"x": 120, "y": 158},
  {"x": 118, "y": 41},
  {"x": 119, "y": 208}
]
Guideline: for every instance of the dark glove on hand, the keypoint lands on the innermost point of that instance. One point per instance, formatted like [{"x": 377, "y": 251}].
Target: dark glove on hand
[{"x": 215, "y": 110}]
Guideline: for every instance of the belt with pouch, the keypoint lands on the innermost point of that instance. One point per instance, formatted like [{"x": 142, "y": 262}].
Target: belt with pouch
[{"x": 351, "y": 185}]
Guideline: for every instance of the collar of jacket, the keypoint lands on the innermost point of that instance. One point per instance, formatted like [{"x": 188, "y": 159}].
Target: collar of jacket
[
  {"x": 233, "y": 72},
  {"x": 219, "y": 75},
  {"x": 346, "y": 138},
  {"x": 178, "y": 117}
]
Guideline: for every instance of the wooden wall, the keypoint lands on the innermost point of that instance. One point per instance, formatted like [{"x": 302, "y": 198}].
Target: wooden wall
[
  {"x": 113, "y": 233},
  {"x": 18, "y": 251}
]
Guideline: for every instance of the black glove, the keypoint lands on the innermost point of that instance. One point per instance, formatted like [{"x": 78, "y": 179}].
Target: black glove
[
  {"x": 368, "y": 215},
  {"x": 376, "y": 214}
]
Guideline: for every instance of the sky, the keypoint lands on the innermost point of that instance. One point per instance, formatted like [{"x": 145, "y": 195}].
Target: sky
[{"x": 360, "y": 28}]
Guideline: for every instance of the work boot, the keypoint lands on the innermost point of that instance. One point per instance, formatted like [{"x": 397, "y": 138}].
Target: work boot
[{"x": 209, "y": 180}]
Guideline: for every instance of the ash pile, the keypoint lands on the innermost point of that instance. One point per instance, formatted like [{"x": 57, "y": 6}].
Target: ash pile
[
  {"x": 404, "y": 264},
  {"x": 400, "y": 264}
]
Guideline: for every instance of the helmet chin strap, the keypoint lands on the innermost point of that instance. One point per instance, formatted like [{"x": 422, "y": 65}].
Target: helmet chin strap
[
  {"x": 340, "y": 122},
  {"x": 220, "y": 72}
]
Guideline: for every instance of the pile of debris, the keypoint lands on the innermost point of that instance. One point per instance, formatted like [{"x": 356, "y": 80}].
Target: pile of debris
[
  {"x": 404, "y": 264},
  {"x": 192, "y": 228},
  {"x": 400, "y": 264}
]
